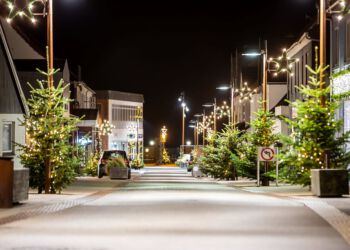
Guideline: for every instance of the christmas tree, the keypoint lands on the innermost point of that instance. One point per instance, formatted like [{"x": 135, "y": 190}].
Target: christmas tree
[
  {"x": 316, "y": 142},
  {"x": 165, "y": 157},
  {"x": 48, "y": 152}
]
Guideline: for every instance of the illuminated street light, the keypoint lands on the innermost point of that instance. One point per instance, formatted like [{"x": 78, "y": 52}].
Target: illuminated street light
[
  {"x": 263, "y": 53},
  {"x": 184, "y": 110},
  {"x": 151, "y": 143},
  {"x": 209, "y": 105}
]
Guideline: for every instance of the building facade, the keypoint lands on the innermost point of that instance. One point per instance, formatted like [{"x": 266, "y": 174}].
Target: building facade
[
  {"x": 12, "y": 104},
  {"x": 340, "y": 67},
  {"x": 123, "y": 111}
]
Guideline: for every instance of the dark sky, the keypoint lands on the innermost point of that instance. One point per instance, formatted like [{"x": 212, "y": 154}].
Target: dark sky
[{"x": 160, "y": 48}]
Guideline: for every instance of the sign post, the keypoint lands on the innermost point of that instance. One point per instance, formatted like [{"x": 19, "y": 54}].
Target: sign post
[{"x": 265, "y": 154}]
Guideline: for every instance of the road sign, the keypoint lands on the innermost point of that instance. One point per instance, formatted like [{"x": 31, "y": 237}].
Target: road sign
[{"x": 266, "y": 153}]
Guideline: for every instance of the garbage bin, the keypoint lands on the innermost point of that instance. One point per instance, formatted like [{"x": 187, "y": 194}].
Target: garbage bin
[{"x": 6, "y": 182}]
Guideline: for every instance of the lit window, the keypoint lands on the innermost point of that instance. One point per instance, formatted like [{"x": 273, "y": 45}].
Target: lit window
[{"x": 8, "y": 138}]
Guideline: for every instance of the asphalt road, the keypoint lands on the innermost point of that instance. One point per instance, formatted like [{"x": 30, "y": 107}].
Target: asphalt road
[{"x": 166, "y": 209}]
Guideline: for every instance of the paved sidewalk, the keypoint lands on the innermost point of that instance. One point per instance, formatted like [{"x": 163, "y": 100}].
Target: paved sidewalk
[{"x": 82, "y": 190}]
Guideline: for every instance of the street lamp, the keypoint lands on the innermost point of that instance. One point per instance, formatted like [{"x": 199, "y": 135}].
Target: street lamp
[
  {"x": 26, "y": 10},
  {"x": 209, "y": 105},
  {"x": 197, "y": 116},
  {"x": 185, "y": 109},
  {"x": 265, "y": 70},
  {"x": 230, "y": 87}
]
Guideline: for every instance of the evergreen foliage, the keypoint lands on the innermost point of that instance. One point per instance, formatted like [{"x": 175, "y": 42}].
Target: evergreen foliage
[
  {"x": 49, "y": 131},
  {"x": 315, "y": 134}
]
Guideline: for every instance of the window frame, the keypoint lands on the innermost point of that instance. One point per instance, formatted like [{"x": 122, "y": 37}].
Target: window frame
[{"x": 12, "y": 138}]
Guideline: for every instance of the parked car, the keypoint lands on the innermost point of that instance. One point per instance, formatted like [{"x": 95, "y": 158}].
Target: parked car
[{"x": 108, "y": 155}]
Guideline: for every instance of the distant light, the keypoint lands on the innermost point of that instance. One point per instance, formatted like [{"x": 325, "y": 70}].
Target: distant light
[
  {"x": 20, "y": 13},
  {"x": 188, "y": 143},
  {"x": 225, "y": 87},
  {"x": 10, "y": 5},
  {"x": 146, "y": 150},
  {"x": 208, "y": 105},
  {"x": 151, "y": 143},
  {"x": 252, "y": 54},
  {"x": 339, "y": 17},
  {"x": 192, "y": 126},
  {"x": 9, "y": 20},
  {"x": 187, "y": 109},
  {"x": 183, "y": 104},
  {"x": 33, "y": 20},
  {"x": 180, "y": 99},
  {"x": 342, "y": 3}
]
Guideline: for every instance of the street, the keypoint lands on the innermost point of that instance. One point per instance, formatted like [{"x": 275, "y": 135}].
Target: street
[{"x": 165, "y": 208}]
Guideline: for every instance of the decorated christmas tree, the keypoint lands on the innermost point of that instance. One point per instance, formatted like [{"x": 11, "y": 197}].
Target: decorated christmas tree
[
  {"x": 165, "y": 157},
  {"x": 316, "y": 141},
  {"x": 48, "y": 152}
]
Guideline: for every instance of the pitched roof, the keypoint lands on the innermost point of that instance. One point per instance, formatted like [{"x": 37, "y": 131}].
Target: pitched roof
[{"x": 17, "y": 86}]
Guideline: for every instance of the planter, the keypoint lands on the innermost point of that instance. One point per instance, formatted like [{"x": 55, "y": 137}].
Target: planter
[
  {"x": 196, "y": 172},
  {"x": 118, "y": 173},
  {"x": 329, "y": 182},
  {"x": 20, "y": 184}
]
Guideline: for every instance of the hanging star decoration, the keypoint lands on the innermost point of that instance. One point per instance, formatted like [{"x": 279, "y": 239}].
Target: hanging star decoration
[
  {"x": 283, "y": 64},
  {"x": 246, "y": 93},
  {"x": 22, "y": 8}
]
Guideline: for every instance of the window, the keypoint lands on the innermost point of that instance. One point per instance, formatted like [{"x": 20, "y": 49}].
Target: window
[
  {"x": 8, "y": 137},
  {"x": 347, "y": 46}
]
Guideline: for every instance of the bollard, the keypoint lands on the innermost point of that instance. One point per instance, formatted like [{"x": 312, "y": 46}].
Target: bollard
[{"x": 6, "y": 182}]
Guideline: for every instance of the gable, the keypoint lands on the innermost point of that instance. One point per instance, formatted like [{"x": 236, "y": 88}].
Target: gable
[{"x": 10, "y": 102}]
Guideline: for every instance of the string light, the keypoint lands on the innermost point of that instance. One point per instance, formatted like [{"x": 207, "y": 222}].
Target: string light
[
  {"x": 24, "y": 9},
  {"x": 283, "y": 63},
  {"x": 246, "y": 93}
]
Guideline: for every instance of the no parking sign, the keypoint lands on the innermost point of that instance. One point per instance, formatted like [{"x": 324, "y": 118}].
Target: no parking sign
[{"x": 266, "y": 153}]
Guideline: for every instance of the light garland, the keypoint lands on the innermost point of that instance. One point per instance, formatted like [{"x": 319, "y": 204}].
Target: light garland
[
  {"x": 106, "y": 128},
  {"x": 283, "y": 64},
  {"x": 246, "y": 93},
  {"x": 24, "y": 10}
]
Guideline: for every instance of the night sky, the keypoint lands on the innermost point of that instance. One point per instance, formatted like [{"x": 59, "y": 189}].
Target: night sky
[{"x": 160, "y": 48}]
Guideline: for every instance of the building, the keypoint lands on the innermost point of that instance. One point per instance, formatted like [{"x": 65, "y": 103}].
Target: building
[
  {"x": 84, "y": 107},
  {"x": 12, "y": 104},
  {"x": 124, "y": 112},
  {"x": 12, "y": 110},
  {"x": 340, "y": 66},
  {"x": 304, "y": 51}
]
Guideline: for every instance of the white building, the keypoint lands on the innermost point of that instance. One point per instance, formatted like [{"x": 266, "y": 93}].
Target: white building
[{"x": 124, "y": 112}]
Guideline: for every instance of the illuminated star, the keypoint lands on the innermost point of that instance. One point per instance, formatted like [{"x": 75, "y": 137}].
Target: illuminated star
[
  {"x": 283, "y": 63},
  {"x": 21, "y": 9}
]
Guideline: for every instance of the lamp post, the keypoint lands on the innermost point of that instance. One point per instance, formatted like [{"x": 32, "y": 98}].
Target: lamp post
[
  {"x": 262, "y": 53},
  {"x": 26, "y": 11},
  {"x": 197, "y": 116},
  {"x": 213, "y": 104},
  {"x": 232, "y": 89},
  {"x": 184, "y": 110}
]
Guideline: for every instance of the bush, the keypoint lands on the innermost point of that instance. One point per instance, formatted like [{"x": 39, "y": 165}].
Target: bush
[
  {"x": 117, "y": 162},
  {"x": 91, "y": 165},
  {"x": 137, "y": 164}
]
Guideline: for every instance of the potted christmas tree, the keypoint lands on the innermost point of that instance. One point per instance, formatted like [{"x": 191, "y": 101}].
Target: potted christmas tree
[{"x": 117, "y": 168}]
